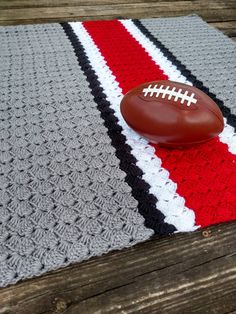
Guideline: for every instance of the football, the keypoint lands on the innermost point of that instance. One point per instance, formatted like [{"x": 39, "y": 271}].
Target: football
[{"x": 171, "y": 114}]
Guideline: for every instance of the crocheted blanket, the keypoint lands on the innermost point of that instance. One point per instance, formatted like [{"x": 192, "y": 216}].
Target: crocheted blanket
[{"x": 75, "y": 181}]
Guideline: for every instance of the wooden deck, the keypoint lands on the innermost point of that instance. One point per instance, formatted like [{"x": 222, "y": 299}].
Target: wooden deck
[
  {"x": 184, "y": 273},
  {"x": 218, "y": 13}
]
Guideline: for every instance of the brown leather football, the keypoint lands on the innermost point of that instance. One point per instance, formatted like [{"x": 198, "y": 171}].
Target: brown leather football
[{"x": 172, "y": 114}]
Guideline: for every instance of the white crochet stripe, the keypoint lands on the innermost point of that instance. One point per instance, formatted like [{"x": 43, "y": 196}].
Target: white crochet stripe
[
  {"x": 228, "y": 136},
  {"x": 170, "y": 203},
  {"x": 155, "y": 53}
]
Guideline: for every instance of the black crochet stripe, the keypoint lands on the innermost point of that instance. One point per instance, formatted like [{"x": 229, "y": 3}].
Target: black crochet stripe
[
  {"x": 154, "y": 219},
  {"x": 231, "y": 119}
]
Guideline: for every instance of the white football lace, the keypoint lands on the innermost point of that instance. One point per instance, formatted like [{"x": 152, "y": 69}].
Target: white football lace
[{"x": 166, "y": 91}]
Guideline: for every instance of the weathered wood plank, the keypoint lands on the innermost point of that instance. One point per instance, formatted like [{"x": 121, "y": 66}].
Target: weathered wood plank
[
  {"x": 184, "y": 273},
  {"x": 228, "y": 28},
  {"x": 210, "y": 11},
  {"x": 14, "y": 4}
]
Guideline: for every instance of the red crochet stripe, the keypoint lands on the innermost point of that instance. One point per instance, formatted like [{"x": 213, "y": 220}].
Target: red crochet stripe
[
  {"x": 127, "y": 59},
  {"x": 205, "y": 174}
]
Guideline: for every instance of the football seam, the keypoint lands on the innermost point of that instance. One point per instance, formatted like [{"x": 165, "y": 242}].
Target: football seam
[
  {"x": 216, "y": 115},
  {"x": 163, "y": 92}
]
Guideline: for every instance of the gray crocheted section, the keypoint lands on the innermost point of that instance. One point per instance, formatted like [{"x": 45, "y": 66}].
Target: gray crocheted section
[
  {"x": 63, "y": 197},
  {"x": 205, "y": 51}
]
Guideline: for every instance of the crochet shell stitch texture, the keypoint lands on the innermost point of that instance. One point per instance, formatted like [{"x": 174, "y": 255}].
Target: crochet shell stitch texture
[{"x": 75, "y": 181}]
